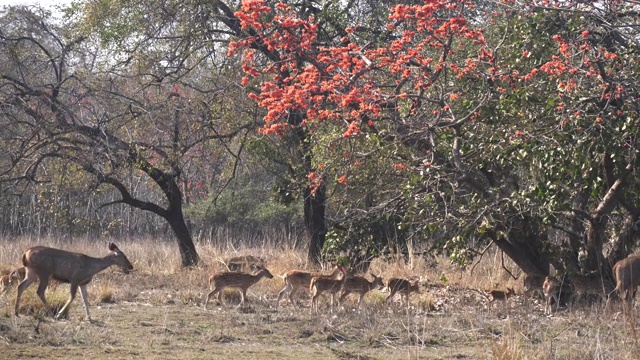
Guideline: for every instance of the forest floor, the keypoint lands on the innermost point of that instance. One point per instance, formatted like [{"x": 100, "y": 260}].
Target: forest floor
[{"x": 157, "y": 312}]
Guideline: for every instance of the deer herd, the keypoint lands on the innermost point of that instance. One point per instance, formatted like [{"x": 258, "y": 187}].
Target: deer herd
[{"x": 44, "y": 263}]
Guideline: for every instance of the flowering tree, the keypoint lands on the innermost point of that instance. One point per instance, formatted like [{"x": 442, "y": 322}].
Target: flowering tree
[
  {"x": 390, "y": 85},
  {"x": 573, "y": 87},
  {"x": 425, "y": 82}
]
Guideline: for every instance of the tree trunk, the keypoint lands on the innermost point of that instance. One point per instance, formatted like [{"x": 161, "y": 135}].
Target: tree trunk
[
  {"x": 522, "y": 245},
  {"x": 314, "y": 220},
  {"x": 623, "y": 243},
  {"x": 183, "y": 235},
  {"x": 598, "y": 221},
  {"x": 595, "y": 240}
]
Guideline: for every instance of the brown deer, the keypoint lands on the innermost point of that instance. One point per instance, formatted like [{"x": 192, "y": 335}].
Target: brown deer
[
  {"x": 627, "y": 276},
  {"x": 300, "y": 279},
  {"x": 230, "y": 279},
  {"x": 500, "y": 295},
  {"x": 43, "y": 263},
  {"x": 551, "y": 288},
  {"x": 402, "y": 286},
  {"x": 360, "y": 285},
  {"x": 320, "y": 284}
]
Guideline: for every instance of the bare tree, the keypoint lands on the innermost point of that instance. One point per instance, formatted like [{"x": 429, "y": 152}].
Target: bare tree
[{"x": 63, "y": 101}]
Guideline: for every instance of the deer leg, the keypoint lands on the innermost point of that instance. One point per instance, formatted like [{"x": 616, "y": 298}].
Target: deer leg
[
  {"x": 390, "y": 296},
  {"x": 554, "y": 299},
  {"x": 72, "y": 295},
  {"x": 220, "y": 293},
  {"x": 206, "y": 302},
  {"x": 344, "y": 295},
  {"x": 286, "y": 289},
  {"x": 360, "y": 300},
  {"x": 314, "y": 303},
  {"x": 42, "y": 287},
  {"x": 293, "y": 291},
  {"x": 24, "y": 284},
  {"x": 243, "y": 295},
  {"x": 85, "y": 299}
]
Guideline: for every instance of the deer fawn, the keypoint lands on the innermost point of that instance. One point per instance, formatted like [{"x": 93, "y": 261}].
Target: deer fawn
[
  {"x": 239, "y": 280},
  {"x": 5, "y": 283},
  {"x": 14, "y": 277},
  {"x": 402, "y": 286},
  {"x": 43, "y": 263},
  {"x": 501, "y": 295},
  {"x": 19, "y": 273},
  {"x": 296, "y": 279},
  {"x": 320, "y": 284},
  {"x": 360, "y": 285},
  {"x": 627, "y": 275}
]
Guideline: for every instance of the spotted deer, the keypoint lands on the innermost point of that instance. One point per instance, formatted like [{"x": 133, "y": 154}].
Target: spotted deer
[
  {"x": 18, "y": 274},
  {"x": 321, "y": 284},
  {"x": 6, "y": 281},
  {"x": 402, "y": 286},
  {"x": 43, "y": 263},
  {"x": 301, "y": 279},
  {"x": 551, "y": 289},
  {"x": 500, "y": 295},
  {"x": 582, "y": 286},
  {"x": 360, "y": 285},
  {"x": 232, "y": 279}
]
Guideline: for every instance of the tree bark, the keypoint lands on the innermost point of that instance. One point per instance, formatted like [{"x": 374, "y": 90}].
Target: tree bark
[
  {"x": 183, "y": 235},
  {"x": 623, "y": 243},
  {"x": 598, "y": 221},
  {"x": 523, "y": 246},
  {"x": 314, "y": 220}
]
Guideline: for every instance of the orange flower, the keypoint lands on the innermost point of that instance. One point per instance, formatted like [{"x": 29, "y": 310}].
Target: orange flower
[{"x": 342, "y": 180}]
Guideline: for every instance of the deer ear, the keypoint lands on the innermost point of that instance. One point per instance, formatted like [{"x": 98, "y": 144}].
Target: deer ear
[{"x": 113, "y": 247}]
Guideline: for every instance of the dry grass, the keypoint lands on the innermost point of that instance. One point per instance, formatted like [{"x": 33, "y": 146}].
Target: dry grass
[{"x": 157, "y": 312}]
